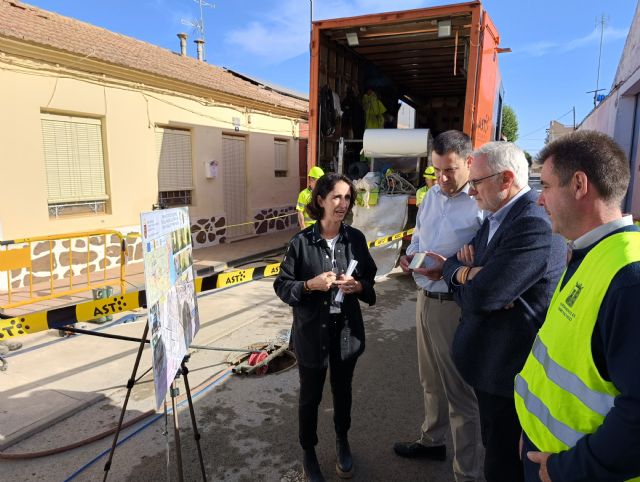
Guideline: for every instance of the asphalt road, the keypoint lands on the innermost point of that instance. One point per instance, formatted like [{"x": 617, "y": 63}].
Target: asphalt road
[{"x": 249, "y": 424}]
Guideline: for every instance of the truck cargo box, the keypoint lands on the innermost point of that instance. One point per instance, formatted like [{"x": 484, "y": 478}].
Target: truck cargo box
[{"x": 441, "y": 63}]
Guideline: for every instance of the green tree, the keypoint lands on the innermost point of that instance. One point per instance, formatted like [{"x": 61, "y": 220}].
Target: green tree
[
  {"x": 509, "y": 124},
  {"x": 529, "y": 159}
]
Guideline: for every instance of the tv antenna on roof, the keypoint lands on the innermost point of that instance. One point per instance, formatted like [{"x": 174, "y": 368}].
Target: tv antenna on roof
[
  {"x": 198, "y": 25},
  {"x": 602, "y": 21}
]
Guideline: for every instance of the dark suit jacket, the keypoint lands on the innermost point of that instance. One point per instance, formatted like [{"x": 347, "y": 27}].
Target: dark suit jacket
[{"x": 522, "y": 265}]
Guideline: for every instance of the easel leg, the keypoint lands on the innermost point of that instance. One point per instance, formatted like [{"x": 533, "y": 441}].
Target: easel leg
[
  {"x": 176, "y": 430},
  {"x": 130, "y": 383},
  {"x": 194, "y": 425}
]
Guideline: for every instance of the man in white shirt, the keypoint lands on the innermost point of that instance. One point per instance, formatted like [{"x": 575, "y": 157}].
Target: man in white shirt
[{"x": 447, "y": 219}]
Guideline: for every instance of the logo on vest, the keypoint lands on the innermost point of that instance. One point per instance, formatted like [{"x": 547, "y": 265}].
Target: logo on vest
[{"x": 573, "y": 296}]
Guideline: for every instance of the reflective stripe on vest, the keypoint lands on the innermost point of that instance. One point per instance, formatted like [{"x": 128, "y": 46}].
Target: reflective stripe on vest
[
  {"x": 597, "y": 401},
  {"x": 560, "y": 395},
  {"x": 562, "y": 432}
]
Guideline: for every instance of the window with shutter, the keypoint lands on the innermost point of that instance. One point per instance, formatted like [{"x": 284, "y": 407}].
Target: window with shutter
[
  {"x": 175, "y": 167},
  {"x": 74, "y": 164},
  {"x": 281, "y": 158}
]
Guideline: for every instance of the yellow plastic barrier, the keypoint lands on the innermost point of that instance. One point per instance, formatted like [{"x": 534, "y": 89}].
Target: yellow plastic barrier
[{"x": 17, "y": 254}]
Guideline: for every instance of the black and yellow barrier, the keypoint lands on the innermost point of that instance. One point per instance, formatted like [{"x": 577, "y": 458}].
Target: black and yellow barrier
[
  {"x": 89, "y": 310},
  {"x": 390, "y": 239},
  {"x": 67, "y": 315}
]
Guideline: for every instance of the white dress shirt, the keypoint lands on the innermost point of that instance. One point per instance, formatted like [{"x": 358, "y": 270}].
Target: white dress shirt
[{"x": 443, "y": 225}]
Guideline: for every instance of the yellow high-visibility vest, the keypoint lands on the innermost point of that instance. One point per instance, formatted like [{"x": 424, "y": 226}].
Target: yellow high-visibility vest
[
  {"x": 304, "y": 198},
  {"x": 420, "y": 194},
  {"x": 560, "y": 396}
]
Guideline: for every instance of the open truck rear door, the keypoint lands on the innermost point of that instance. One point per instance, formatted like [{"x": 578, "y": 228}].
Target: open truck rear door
[{"x": 488, "y": 102}]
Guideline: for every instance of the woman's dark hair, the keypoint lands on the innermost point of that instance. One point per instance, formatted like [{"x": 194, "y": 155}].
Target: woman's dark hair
[{"x": 323, "y": 187}]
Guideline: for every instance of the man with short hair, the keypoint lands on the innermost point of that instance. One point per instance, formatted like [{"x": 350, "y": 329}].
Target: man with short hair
[
  {"x": 502, "y": 281},
  {"x": 304, "y": 197},
  {"x": 578, "y": 395},
  {"x": 447, "y": 219}
]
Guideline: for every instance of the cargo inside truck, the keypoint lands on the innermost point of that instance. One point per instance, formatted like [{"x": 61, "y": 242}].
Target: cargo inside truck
[{"x": 432, "y": 68}]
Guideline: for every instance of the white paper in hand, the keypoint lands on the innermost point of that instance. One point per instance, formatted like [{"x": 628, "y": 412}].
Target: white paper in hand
[
  {"x": 350, "y": 269},
  {"x": 421, "y": 260}
]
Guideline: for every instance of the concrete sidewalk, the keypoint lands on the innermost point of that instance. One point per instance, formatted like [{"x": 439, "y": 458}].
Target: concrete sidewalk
[{"x": 52, "y": 378}]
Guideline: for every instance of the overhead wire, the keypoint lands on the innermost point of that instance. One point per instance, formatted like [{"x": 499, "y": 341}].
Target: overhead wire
[
  {"x": 545, "y": 126},
  {"x": 27, "y": 68}
]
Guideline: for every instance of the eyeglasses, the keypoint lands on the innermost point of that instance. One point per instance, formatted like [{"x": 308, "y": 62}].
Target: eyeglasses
[{"x": 473, "y": 183}]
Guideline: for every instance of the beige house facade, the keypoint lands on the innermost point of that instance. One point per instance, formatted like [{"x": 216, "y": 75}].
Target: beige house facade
[{"x": 98, "y": 127}]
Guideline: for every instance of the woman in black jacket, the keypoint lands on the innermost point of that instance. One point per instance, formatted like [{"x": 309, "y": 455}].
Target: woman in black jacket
[{"x": 312, "y": 274}]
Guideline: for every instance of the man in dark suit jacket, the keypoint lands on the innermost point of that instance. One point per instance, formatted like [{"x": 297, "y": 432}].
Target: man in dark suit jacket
[{"x": 503, "y": 281}]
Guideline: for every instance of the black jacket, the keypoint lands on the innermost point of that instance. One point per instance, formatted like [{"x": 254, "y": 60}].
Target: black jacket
[
  {"x": 521, "y": 265},
  {"x": 307, "y": 256}
]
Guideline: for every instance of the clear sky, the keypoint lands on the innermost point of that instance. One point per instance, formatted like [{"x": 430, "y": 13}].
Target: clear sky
[{"x": 555, "y": 42}]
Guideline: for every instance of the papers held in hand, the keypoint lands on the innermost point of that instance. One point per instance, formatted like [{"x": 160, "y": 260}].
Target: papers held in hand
[{"x": 421, "y": 260}]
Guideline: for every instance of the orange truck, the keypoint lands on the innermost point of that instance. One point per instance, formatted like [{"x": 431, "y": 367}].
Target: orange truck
[{"x": 439, "y": 63}]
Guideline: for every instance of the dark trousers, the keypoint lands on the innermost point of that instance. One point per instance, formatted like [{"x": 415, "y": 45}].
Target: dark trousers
[
  {"x": 311, "y": 386},
  {"x": 531, "y": 469},
  {"x": 500, "y": 436}
]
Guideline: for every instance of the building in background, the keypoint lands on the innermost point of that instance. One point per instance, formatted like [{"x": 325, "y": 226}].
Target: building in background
[
  {"x": 99, "y": 127},
  {"x": 556, "y": 130},
  {"x": 618, "y": 115}
]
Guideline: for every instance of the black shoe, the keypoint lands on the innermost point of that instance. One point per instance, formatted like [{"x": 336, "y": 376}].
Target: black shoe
[
  {"x": 417, "y": 450},
  {"x": 344, "y": 460},
  {"x": 312, "y": 467}
]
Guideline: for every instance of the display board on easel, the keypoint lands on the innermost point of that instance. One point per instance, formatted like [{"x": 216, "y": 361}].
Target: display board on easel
[{"x": 171, "y": 297}]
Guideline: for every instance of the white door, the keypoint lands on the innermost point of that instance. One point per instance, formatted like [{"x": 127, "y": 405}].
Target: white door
[{"x": 234, "y": 169}]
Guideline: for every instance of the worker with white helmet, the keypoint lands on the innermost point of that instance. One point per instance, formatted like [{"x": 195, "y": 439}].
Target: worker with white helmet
[{"x": 304, "y": 197}]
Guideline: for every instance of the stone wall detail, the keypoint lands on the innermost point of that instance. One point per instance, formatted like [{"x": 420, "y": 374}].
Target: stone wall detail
[
  {"x": 88, "y": 253},
  {"x": 68, "y": 257},
  {"x": 269, "y": 220},
  {"x": 208, "y": 231}
]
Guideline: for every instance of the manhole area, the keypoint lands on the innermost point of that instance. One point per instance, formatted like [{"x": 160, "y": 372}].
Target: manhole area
[
  {"x": 279, "y": 360},
  {"x": 284, "y": 361}
]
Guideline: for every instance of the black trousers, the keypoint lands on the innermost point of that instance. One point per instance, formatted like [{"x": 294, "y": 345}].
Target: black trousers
[
  {"x": 531, "y": 469},
  {"x": 500, "y": 435},
  {"x": 311, "y": 387}
]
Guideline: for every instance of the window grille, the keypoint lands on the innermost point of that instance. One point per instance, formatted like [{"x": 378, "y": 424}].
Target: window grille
[{"x": 174, "y": 198}]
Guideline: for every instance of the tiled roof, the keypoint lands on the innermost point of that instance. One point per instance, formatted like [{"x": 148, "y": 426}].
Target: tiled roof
[{"x": 36, "y": 26}]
